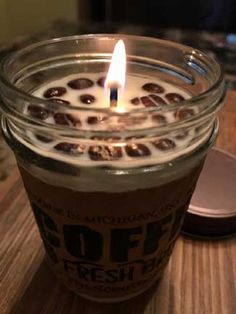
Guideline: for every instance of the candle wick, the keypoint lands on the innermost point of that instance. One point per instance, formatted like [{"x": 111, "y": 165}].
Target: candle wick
[{"x": 113, "y": 96}]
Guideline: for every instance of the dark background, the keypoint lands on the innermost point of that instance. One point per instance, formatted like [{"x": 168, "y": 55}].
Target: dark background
[{"x": 211, "y": 15}]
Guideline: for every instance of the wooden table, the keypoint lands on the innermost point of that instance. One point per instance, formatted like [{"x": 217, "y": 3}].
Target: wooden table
[{"x": 200, "y": 277}]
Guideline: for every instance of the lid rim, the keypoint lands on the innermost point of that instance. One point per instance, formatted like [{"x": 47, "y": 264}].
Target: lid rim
[
  {"x": 205, "y": 212},
  {"x": 209, "y": 223}
]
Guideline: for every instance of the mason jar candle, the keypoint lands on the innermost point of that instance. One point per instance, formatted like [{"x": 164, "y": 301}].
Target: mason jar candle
[{"x": 109, "y": 162}]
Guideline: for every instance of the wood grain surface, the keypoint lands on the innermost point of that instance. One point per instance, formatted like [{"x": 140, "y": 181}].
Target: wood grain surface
[{"x": 200, "y": 277}]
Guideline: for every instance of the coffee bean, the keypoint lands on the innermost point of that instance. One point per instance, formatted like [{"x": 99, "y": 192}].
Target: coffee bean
[
  {"x": 87, "y": 99},
  {"x": 159, "y": 118},
  {"x": 96, "y": 119},
  {"x": 80, "y": 83},
  {"x": 157, "y": 99},
  {"x": 38, "y": 112},
  {"x": 54, "y": 92},
  {"x": 135, "y": 101},
  {"x": 70, "y": 148},
  {"x": 132, "y": 120},
  {"x": 174, "y": 97},
  {"x": 181, "y": 135},
  {"x": 153, "y": 88},
  {"x": 104, "y": 153},
  {"x": 198, "y": 129},
  {"x": 39, "y": 77},
  {"x": 60, "y": 101},
  {"x": 115, "y": 128},
  {"x": 137, "y": 150},
  {"x": 164, "y": 144},
  {"x": 43, "y": 138},
  {"x": 98, "y": 138},
  {"x": 113, "y": 139},
  {"x": 101, "y": 81},
  {"x": 107, "y": 139},
  {"x": 134, "y": 137},
  {"x": 184, "y": 113},
  {"x": 66, "y": 119},
  {"x": 147, "y": 102}
]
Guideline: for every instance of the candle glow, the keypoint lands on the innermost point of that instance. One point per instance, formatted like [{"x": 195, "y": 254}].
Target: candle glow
[{"x": 117, "y": 71}]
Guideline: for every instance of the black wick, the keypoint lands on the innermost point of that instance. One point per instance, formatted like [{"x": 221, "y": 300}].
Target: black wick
[{"x": 113, "y": 96}]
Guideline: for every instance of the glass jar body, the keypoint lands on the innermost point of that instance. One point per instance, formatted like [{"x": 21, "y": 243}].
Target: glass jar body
[{"x": 109, "y": 229}]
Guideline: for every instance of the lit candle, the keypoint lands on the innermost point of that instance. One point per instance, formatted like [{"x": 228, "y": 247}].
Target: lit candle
[
  {"x": 139, "y": 92},
  {"x": 109, "y": 178}
]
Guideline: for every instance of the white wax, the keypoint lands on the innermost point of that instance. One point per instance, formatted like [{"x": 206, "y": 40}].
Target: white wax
[{"x": 132, "y": 89}]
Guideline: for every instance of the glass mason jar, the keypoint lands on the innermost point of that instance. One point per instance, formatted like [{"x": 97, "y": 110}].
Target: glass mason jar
[{"x": 109, "y": 224}]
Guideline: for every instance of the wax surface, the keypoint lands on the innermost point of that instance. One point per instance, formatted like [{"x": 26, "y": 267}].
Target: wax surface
[{"x": 121, "y": 152}]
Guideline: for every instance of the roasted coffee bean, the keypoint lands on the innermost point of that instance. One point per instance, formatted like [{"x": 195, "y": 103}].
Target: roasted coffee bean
[
  {"x": 164, "y": 144},
  {"x": 107, "y": 139},
  {"x": 66, "y": 119},
  {"x": 174, "y": 97},
  {"x": 184, "y": 113},
  {"x": 147, "y": 102},
  {"x": 87, "y": 99},
  {"x": 134, "y": 137},
  {"x": 98, "y": 138},
  {"x": 38, "y": 77},
  {"x": 60, "y": 101},
  {"x": 104, "y": 152},
  {"x": 181, "y": 135},
  {"x": 80, "y": 83},
  {"x": 70, "y": 148},
  {"x": 135, "y": 101},
  {"x": 101, "y": 81},
  {"x": 115, "y": 128},
  {"x": 54, "y": 92},
  {"x": 198, "y": 129},
  {"x": 159, "y": 118},
  {"x": 153, "y": 88},
  {"x": 38, "y": 112},
  {"x": 132, "y": 120},
  {"x": 113, "y": 139},
  {"x": 137, "y": 150},
  {"x": 157, "y": 99},
  {"x": 96, "y": 119},
  {"x": 43, "y": 138}
]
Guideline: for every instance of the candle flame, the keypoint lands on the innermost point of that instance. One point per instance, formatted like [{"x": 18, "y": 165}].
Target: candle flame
[{"x": 116, "y": 73}]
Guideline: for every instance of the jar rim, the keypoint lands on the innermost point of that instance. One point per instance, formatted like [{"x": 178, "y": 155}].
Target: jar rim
[{"x": 217, "y": 87}]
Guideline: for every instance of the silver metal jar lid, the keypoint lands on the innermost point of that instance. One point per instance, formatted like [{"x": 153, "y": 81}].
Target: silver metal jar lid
[{"x": 212, "y": 212}]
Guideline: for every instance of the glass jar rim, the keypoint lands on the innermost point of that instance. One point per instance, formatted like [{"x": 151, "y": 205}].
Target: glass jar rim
[{"x": 215, "y": 91}]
